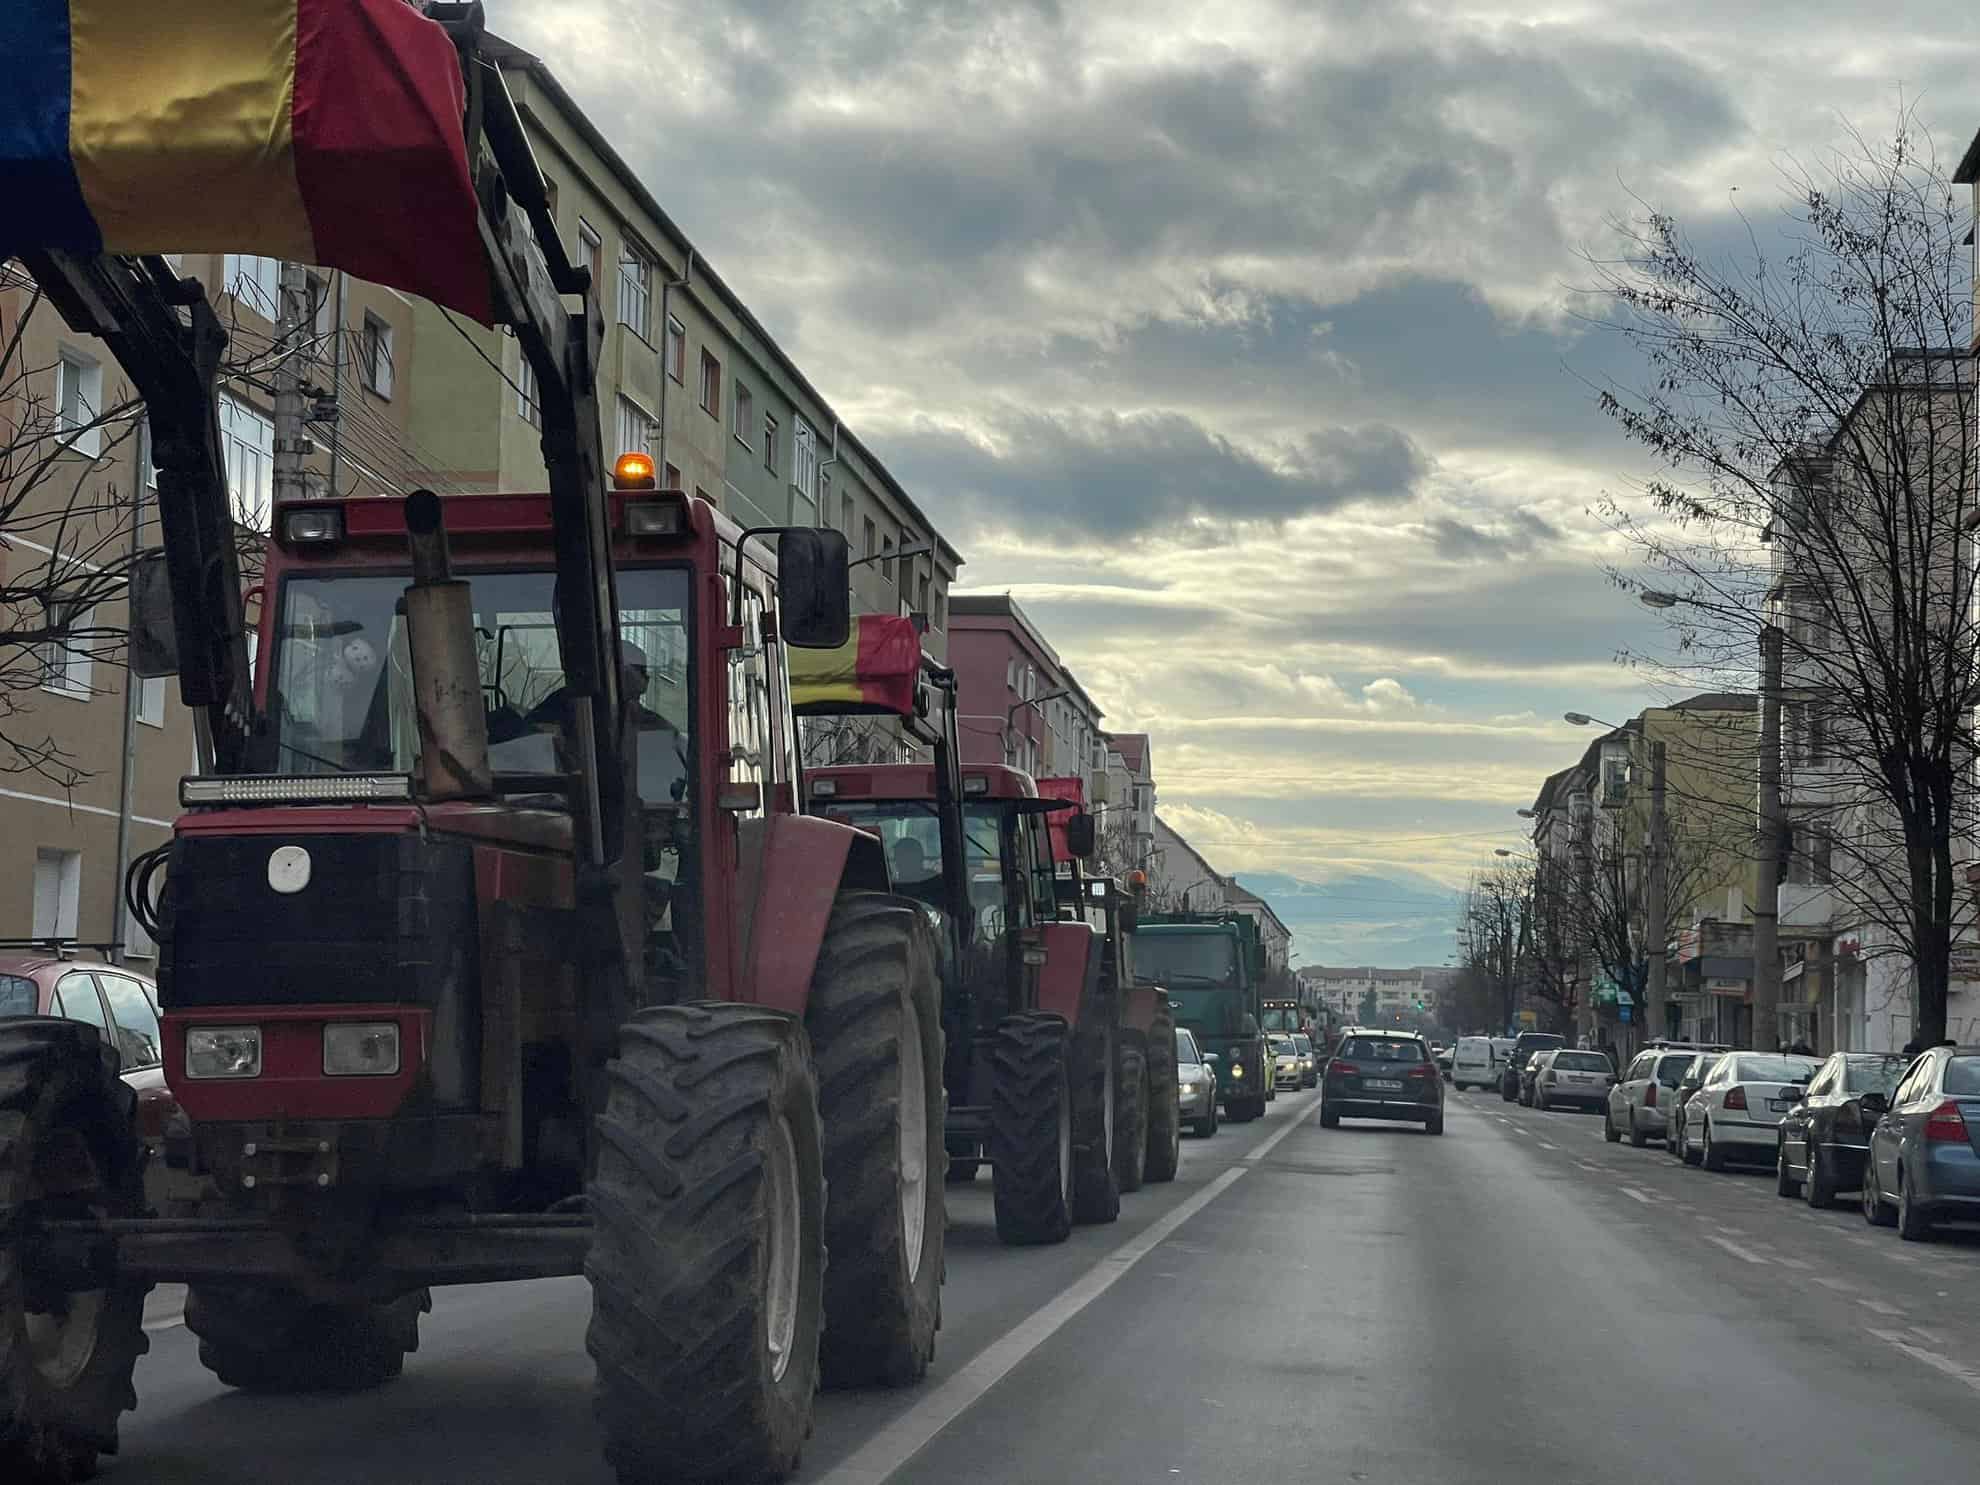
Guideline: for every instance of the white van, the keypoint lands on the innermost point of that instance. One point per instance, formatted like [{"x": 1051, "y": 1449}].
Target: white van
[{"x": 1474, "y": 1063}]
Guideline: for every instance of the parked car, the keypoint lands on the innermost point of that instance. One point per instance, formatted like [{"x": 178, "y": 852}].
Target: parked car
[
  {"x": 1825, "y": 1137},
  {"x": 1531, "y": 1071},
  {"x": 1377, "y": 1074},
  {"x": 1309, "y": 1070},
  {"x": 1578, "y": 1079},
  {"x": 1924, "y": 1162},
  {"x": 119, "y": 1002},
  {"x": 1196, "y": 1086},
  {"x": 1444, "y": 1057},
  {"x": 1640, "y": 1103},
  {"x": 1736, "y": 1112},
  {"x": 1524, "y": 1046},
  {"x": 1474, "y": 1063},
  {"x": 1695, "y": 1073},
  {"x": 1285, "y": 1063}
]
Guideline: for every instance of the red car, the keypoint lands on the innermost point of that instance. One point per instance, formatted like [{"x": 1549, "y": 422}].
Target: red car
[{"x": 120, "y": 1002}]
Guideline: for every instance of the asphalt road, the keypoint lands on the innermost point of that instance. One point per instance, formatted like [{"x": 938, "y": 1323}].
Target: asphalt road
[{"x": 1516, "y": 1301}]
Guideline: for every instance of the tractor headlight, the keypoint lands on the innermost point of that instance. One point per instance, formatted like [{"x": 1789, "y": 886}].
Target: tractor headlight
[
  {"x": 360, "y": 1049},
  {"x": 223, "y": 1052},
  {"x": 1237, "y": 1069}
]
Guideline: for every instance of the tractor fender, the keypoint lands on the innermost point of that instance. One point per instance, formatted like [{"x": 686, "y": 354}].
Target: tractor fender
[
  {"x": 803, "y": 864},
  {"x": 1071, "y": 972}
]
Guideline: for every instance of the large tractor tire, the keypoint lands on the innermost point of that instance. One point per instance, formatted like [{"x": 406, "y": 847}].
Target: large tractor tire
[
  {"x": 1130, "y": 1115},
  {"x": 68, "y": 1149},
  {"x": 876, "y": 1032},
  {"x": 1164, "y": 1100},
  {"x": 1031, "y": 1129},
  {"x": 707, "y": 1261},
  {"x": 1096, "y": 1077},
  {"x": 274, "y": 1340}
]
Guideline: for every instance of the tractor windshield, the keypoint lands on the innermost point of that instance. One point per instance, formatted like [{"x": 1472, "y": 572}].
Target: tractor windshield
[
  {"x": 913, "y": 840},
  {"x": 341, "y": 698},
  {"x": 1186, "y": 960}
]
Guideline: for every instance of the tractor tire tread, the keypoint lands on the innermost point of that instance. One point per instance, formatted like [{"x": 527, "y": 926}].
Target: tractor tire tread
[{"x": 1030, "y": 1087}]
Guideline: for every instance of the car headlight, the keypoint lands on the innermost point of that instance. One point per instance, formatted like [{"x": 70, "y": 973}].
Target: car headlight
[
  {"x": 223, "y": 1052},
  {"x": 1237, "y": 1069},
  {"x": 360, "y": 1049}
]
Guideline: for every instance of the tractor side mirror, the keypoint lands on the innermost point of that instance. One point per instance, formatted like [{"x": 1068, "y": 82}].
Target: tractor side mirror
[
  {"x": 814, "y": 603},
  {"x": 1079, "y": 834},
  {"x": 154, "y": 641}
]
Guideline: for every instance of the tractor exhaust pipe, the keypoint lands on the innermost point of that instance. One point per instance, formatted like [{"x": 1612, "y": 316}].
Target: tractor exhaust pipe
[{"x": 453, "y": 726}]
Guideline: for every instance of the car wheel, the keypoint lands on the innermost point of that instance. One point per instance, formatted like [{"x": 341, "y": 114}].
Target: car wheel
[
  {"x": 1328, "y": 1118},
  {"x": 1686, "y": 1148},
  {"x": 1712, "y": 1157},
  {"x": 1435, "y": 1123},
  {"x": 1914, "y": 1218},
  {"x": 1540, "y": 1100},
  {"x": 1609, "y": 1130},
  {"x": 1875, "y": 1212},
  {"x": 1637, "y": 1138},
  {"x": 1784, "y": 1183},
  {"x": 1819, "y": 1189}
]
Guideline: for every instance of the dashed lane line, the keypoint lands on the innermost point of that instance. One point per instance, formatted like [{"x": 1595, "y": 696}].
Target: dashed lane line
[
  {"x": 1634, "y": 1195},
  {"x": 1734, "y": 1248},
  {"x": 1878, "y": 1307},
  {"x": 893, "y": 1446},
  {"x": 1932, "y": 1359}
]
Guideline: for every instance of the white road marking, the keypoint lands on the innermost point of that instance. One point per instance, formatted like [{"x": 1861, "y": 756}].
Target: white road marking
[
  {"x": 1877, "y": 1306},
  {"x": 1634, "y": 1195},
  {"x": 1590, "y": 1165},
  {"x": 1734, "y": 1249},
  {"x": 1545, "y": 1146},
  {"x": 1836, "y": 1284},
  {"x": 1793, "y": 1263},
  {"x": 901, "y": 1440},
  {"x": 1931, "y": 1358}
]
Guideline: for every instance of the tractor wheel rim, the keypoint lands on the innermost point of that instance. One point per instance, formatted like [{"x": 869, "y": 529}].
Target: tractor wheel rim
[
  {"x": 786, "y": 1242},
  {"x": 63, "y": 1343},
  {"x": 912, "y": 1125}
]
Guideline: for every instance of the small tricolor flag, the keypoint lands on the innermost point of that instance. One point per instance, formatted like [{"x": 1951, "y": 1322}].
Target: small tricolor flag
[
  {"x": 316, "y": 131},
  {"x": 874, "y": 671}
]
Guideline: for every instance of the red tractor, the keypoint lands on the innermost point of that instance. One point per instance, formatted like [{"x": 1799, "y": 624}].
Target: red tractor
[
  {"x": 1061, "y": 1068},
  {"x": 494, "y": 941}
]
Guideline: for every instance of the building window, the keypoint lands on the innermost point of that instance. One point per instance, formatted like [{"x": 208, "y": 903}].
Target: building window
[
  {"x": 375, "y": 363},
  {"x": 591, "y": 253},
  {"x": 635, "y": 427},
  {"x": 151, "y": 700},
  {"x": 872, "y": 546},
  {"x": 671, "y": 478},
  {"x": 67, "y": 659},
  {"x": 248, "y": 440},
  {"x": 57, "y": 892},
  {"x": 79, "y": 402},
  {"x": 887, "y": 559},
  {"x": 676, "y": 350},
  {"x": 316, "y": 288},
  {"x": 745, "y": 419},
  {"x": 636, "y": 291},
  {"x": 711, "y": 385},
  {"x": 529, "y": 405},
  {"x": 254, "y": 282},
  {"x": 770, "y": 442},
  {"x": 921, "y": 594}
]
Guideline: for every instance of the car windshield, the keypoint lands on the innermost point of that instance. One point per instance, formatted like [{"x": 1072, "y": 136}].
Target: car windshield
[
  {"x": 1383, "y": 1049},
  {"x": 1872, "y": 1074},
  {"x": 341, "y": 697},
  {"x": 1963, "y": 1076},
  {"x": 1302, "y": 1045},
  {"x": 1186, "y": 1048},
  {"x": 1581, "y": 1061},
  {"x": 1775, "y": 1069},
  {"x": 18, "y": 996},
  {"x": 1283, "y": 1046}
]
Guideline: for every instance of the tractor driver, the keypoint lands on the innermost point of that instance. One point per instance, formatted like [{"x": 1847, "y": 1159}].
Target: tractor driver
[{"x": 662, "y": 752}]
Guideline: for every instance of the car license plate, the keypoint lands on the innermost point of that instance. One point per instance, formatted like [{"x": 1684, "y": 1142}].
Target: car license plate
[
  {"x": 1779, "y": 1105},
  {"x": 1386, "y": 1085}
]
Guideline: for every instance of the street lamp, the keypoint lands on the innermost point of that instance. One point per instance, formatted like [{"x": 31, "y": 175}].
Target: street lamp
[
  {"x": 1655, "y": 598},
  {"x": 1011, "y": 711},
  {"x": 913, "y": 549},
  {"x": 1527, "y": 814}
]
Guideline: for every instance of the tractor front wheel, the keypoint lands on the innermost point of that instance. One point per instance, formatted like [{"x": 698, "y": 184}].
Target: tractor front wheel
[
  {"x": 1096, "y": 1073},
  {"x": 68, "y": 1150},
  {"x": 1164, "y": 1100},
  {"x": 876, "y": 1031},
  {"x": 1031, "y": 1138},
  {"x": 707, "y": 1261},
  {"x": 1131, "y": 1117},
  {"x": 274, "y": 1340}
]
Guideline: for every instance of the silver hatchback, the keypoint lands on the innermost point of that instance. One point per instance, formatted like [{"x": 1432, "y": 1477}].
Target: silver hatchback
[{"x": 1640, "y": 1104}]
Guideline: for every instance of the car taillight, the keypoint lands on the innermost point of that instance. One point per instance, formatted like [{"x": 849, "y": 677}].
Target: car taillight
[
  {"x": 1339, "y": 1068},
  {"x": 1418, "y": 1071},
  {"x": 1735, "y": 1098},
  {"x": 1650, "y": 1096},
  {"x": 1946, "y": 1123}
]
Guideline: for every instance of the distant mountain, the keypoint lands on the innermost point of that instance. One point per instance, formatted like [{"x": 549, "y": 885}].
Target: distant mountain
[{"x": 1395, "y": 918}]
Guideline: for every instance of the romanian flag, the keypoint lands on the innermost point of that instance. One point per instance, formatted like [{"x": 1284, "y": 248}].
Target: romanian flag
[
  {"x": 874, "y": 671},
  {"x": 316, "y": 131}
]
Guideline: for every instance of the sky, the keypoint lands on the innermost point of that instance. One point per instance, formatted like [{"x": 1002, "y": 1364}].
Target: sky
[{"x": 1246, "y": 344}]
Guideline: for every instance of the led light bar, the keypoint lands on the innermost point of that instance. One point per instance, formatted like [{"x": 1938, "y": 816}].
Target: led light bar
[{"x": 339, "y": 788}]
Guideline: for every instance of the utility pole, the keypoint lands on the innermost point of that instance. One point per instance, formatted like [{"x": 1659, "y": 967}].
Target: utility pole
[
  {"x": 1767, "y": 899},
  {"x": 291, "y": 444},
  {"x": 1658, "y": 932}
]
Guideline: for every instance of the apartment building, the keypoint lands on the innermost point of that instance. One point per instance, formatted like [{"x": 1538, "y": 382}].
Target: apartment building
[
  {"x": 1350, "y": 992},
  {"x": 1019, "y": 703},
  {"x": 687, "y": 373},
  {"x": 90, "y": 766},
  {"x": 1130, "y": 807}
]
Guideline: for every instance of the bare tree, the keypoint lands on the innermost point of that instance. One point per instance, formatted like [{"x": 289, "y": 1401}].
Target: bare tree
[
  {"x": 1495, "y": 926},
  {"x": 1813, "y": 406}
]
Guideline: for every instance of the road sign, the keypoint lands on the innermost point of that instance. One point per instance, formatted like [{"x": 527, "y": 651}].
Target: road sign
[{"x": 1529, "y": 1019}]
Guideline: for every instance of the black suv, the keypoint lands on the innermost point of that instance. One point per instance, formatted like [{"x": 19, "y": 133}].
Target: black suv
[
  {"x": 1381, "y": 1074},
  {"x": 1523, "y": 1048}
]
